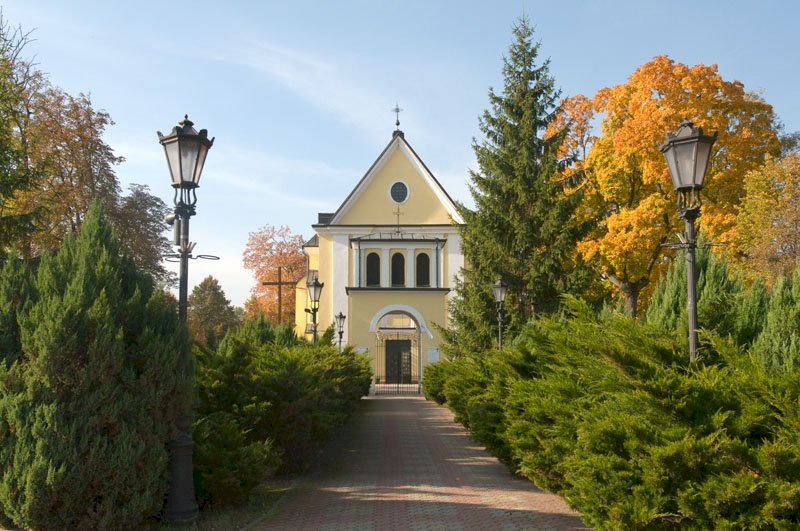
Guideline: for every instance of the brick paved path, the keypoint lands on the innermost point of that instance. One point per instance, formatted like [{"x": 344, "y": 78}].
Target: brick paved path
[{"x": 404, "y": 464}]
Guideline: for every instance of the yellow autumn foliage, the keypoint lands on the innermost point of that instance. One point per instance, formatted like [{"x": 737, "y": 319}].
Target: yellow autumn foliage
[
  {"x": 627, "y": 185},
  {"x": 768, "y": 237}
]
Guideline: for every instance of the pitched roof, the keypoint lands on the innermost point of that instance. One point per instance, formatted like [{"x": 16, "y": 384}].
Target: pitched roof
[{"x": 398, "y": 142}]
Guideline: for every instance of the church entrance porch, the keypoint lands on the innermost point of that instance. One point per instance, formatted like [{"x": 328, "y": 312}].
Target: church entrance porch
[{"x": 396, "y": 363}]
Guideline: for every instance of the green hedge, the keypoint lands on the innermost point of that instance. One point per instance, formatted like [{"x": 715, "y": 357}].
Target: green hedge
[
  {"x": 608, "y": 412},
  {"x": 277, "y": 396}
]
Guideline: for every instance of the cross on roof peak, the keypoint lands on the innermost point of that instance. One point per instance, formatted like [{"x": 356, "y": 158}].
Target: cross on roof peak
[{"x": 397, "y": 110}]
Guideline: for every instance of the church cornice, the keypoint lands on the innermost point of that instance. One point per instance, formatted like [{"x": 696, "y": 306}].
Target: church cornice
[
  {"x": 388, "y": 226},
  {"x": 399, "y": 288},
  {"x": 367, "y": 239}
]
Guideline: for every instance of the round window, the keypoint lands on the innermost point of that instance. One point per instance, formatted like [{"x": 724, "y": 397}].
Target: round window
[{"x": 399, "y": 192}]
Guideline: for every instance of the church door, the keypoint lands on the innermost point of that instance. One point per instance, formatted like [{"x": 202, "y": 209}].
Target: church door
[{"x": 398, "y": 361}]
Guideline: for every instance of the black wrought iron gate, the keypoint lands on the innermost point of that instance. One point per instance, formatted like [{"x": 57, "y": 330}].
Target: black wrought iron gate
[{"x": 396, "y": 369}]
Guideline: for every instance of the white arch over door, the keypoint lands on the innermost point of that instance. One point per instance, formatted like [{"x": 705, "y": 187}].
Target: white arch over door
[{"x": 402, "y": 308}]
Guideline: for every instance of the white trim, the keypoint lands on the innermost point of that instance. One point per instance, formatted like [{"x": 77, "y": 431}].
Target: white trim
[
  {"x": 362, "y": 185},
  {"x": 437, "y": 188},
  {"x": 400, "y": 308}
]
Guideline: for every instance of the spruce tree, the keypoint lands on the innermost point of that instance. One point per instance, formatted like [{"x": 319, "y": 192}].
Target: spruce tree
[
  {"x": 521, "y": 229},
  {"x": 87, "y": 408},
  {"x": 778, "y": 344}
]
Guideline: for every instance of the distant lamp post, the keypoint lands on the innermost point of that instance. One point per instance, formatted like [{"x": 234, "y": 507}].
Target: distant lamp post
[
  {"x": 688, "y": 152},
  {"x": 339, "y": 318},
  {"x": 500, "y": 289},
  {"x": 314, "y": 291},
  {"x": 186, "y": 151}
]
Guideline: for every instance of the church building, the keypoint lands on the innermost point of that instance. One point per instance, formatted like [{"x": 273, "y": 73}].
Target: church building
[{"x": 387, "y": 259}]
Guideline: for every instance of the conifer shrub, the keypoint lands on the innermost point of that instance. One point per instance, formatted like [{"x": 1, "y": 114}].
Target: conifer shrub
[
  {"x": 16, "y": 290},
  {"x": 228, "y": 466},
  {"x": 721, "y": 298},
  {"x": 92, "y": 380},
  {"x": 608, "y": 412},
  {"x": 277, "y": 396},
  {"x": 778, "y": 344},
  {"x": 433, "y": 379}
]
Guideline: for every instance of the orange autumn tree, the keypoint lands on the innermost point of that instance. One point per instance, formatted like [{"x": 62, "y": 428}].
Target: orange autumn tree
[
  {"x": 268, "y": 249},
  {"x": 627, "y": 189}
]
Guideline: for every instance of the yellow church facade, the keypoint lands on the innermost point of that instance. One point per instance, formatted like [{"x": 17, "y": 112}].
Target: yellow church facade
[{"x": 387, "y": 258}]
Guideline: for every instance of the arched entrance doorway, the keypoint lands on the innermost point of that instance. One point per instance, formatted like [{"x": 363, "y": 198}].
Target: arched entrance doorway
[{"x": 397, "y": 361}]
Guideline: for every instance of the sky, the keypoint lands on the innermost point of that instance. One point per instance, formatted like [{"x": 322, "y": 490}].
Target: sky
[{"x": 299, "y": 94}]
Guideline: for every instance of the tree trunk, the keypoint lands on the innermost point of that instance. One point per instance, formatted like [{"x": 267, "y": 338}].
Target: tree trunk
[
  {"x": 631, "y": 300},
  {"x": 631, "y": 292}
]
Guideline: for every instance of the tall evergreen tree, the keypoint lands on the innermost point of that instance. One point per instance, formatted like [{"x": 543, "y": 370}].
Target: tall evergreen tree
[
  {"x": 89, "y": 402},
  {"x": 521, "y": 228}
]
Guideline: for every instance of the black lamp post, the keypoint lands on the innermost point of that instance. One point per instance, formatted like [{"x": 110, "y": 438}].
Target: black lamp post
[
  {"x": 186, "y": 151},
  {"x": 500, "y": 288},
  {"x": 688, "y": 152},
  {"x": 339, "y": 318},
  {"x": 314, "y": 291}
]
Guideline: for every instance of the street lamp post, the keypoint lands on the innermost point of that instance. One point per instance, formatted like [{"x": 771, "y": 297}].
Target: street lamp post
[
  {"x": 339, "y": 318},
  {"x": 314, "y": 291},
  {"x": 688, "y": 152},
  {"x": 186, "y": 151},
  {"x": 500, "y": 288}
]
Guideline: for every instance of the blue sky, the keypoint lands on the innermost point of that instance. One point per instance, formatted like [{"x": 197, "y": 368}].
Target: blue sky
[{"x": 299, "y": 94}]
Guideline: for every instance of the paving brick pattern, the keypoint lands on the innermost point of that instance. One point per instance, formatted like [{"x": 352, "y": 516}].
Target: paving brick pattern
[{"x": 404, "y": 464}]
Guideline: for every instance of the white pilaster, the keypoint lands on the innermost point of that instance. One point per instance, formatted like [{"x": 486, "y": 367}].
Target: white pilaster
[
  {"x": 411, "y": 265},
  {"x": 356, "y": 262},
  {"x": 386, "y": 279},
  {"x": 341, "y": 268},
  {"x": 455, "y": 260}
]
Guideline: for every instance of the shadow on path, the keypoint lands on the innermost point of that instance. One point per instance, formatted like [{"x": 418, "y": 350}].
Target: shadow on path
[{"x": 403, "y": 463}]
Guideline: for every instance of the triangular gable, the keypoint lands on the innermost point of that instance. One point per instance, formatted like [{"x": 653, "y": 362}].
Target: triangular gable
[{"x": 409, "y": 165}]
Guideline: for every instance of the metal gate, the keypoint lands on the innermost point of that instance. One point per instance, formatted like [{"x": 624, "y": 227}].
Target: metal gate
[{"x": 396, "y": 364}]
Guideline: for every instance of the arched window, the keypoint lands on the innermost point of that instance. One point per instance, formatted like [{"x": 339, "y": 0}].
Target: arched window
[
  {"x": 398, "y": 270},
  {"x": 373, "y": 270},
  {"x": 423, "y": 275}
]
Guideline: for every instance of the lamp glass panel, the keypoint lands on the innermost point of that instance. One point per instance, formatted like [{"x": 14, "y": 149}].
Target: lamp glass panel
[
  {"x": 685, "y": 153},
  {"x": 672, "y": 163},
  {"x": 201, "y": 161},
  {"x": 703, "y": 157},
  {"x": 189, "y": 152},
  {"x": 173, "y": 160}
]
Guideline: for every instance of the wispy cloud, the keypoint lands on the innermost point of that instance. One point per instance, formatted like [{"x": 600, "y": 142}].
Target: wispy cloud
[{"x": 323, "y": 82}]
